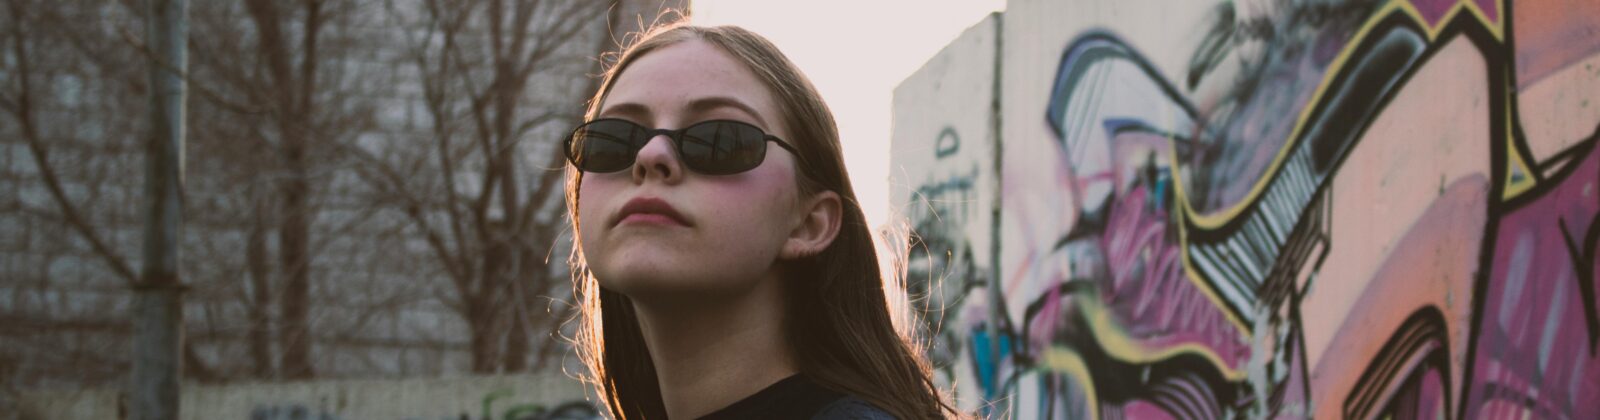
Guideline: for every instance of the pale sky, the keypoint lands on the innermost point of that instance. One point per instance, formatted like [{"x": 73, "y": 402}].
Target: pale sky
[{"x": 855, "y": 51}]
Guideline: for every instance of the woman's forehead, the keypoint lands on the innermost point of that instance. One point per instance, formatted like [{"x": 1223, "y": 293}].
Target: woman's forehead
[{"x": 688, "y": 78}]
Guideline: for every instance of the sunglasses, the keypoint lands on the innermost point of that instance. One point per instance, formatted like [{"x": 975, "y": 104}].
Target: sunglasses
[{"x": 717, "y": 147}]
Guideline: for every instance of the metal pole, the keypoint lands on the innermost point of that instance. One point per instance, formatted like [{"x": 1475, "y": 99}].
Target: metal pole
[{"x": 158, "y": 296}]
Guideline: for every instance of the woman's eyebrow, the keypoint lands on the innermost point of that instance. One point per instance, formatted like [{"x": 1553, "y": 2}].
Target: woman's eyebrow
[
  {"x": 628, "y": 109},
  {"x": 696, "y": 106},
  {"x": 702, "y": 105}
]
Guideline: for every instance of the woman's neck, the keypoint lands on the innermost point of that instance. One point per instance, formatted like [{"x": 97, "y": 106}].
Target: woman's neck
[{"x": 711, "y": 354}]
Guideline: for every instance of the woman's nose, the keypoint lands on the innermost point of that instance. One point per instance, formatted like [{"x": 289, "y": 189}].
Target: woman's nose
[{"x": 657, "y": 160}]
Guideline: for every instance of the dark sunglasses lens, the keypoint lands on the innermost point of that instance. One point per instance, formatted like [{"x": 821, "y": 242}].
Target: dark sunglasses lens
[
  {"x": 723, "y": 147},
  {"x": 604, "y": 145}
]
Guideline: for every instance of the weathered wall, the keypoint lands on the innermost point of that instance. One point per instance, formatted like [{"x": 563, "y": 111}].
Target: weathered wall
[
  {"x": 1335, "y": 208},
  {"x": 520, "y": 397},
  {"x": 945, "y": 184}
]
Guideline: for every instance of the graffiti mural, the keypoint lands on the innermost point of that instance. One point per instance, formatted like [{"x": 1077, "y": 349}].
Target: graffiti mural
[{"x": 1303, "y": 209}]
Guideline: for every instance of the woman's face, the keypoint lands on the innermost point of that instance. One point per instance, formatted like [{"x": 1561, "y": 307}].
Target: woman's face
[{"x": 731, "y": 228}]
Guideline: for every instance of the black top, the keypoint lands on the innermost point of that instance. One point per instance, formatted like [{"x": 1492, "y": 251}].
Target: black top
[{"x": 798, "y": 398}]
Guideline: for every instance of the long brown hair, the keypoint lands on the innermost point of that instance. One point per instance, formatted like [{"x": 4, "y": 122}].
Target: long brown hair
[{"x": 845, "y": 340}]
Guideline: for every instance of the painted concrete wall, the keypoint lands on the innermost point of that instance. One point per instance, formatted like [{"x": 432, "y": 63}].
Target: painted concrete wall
[
  {"x": 522, "y": 397},
  {"x": 1330, "y": 209},
  {"x": 945, "y": 184}
]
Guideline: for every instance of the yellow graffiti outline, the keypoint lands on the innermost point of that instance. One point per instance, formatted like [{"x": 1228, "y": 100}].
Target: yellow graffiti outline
[
  {"x": 1514, "y": 157},
  {"x": 1117, "y": 344},
  {"x": 1120, "y": 345},
  {"x": 1215, "y": 220},
  {"x": 1062, "y": 359}
]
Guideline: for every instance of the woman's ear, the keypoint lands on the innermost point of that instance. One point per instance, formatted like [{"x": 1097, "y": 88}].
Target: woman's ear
[{"x": 818, "y": 225}]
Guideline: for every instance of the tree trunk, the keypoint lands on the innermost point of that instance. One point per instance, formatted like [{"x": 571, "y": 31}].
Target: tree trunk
[
  {"x": 258, "y": 263},
  {"x": 516, "y": 357},
  {"x": 294, "y": 111},
  {"x": 484, "y": 325},
  {"x": 528, "y": 315},
  {"x": 294, "y": 239}
]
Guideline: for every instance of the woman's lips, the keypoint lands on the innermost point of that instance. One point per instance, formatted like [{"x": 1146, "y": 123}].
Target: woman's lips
[
  {"x": 649, "y": 218},
  {"x": 652, "y": 211}
]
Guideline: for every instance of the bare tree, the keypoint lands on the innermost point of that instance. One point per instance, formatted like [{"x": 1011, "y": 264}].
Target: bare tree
[
  {"x": 488, "y": 196},
  {"x": 48, "y": 191},
  {"x": 76, "y": 93},
  {"x": 353, "y": 172}
]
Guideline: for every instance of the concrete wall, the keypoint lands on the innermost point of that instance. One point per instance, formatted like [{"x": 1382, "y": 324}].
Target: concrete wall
[
  {"x": 523, "y": 397},
  {"x": 1328, "y": 209},
  {"x": 945, "y": 184}
]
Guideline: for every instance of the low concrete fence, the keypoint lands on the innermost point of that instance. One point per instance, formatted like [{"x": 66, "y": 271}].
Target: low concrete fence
[{"x": 507, "y": 397}]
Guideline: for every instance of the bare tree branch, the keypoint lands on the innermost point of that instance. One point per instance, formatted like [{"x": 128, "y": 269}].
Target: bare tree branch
[{"x": 21, "y": 107}]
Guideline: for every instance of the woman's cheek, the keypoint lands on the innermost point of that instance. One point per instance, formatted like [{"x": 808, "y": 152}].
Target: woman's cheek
[
  {"x": 591, "y": 219},
  {"x": 761, "y": 218}
]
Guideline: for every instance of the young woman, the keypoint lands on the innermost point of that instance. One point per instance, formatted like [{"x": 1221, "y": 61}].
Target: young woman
[{"x": 723, "y": 265}]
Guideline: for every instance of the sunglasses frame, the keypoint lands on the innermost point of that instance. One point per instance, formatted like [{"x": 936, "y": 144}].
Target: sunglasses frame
[{"x": 677, "y": 144}]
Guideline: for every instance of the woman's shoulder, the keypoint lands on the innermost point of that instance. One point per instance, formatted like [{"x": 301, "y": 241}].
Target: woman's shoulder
[{"x": 851, "y": 408}]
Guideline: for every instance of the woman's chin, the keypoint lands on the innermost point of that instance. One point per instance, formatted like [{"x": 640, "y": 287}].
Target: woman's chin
[
  {"x": 668, "y": 284},
  {"x": 636, "y": 278}
]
